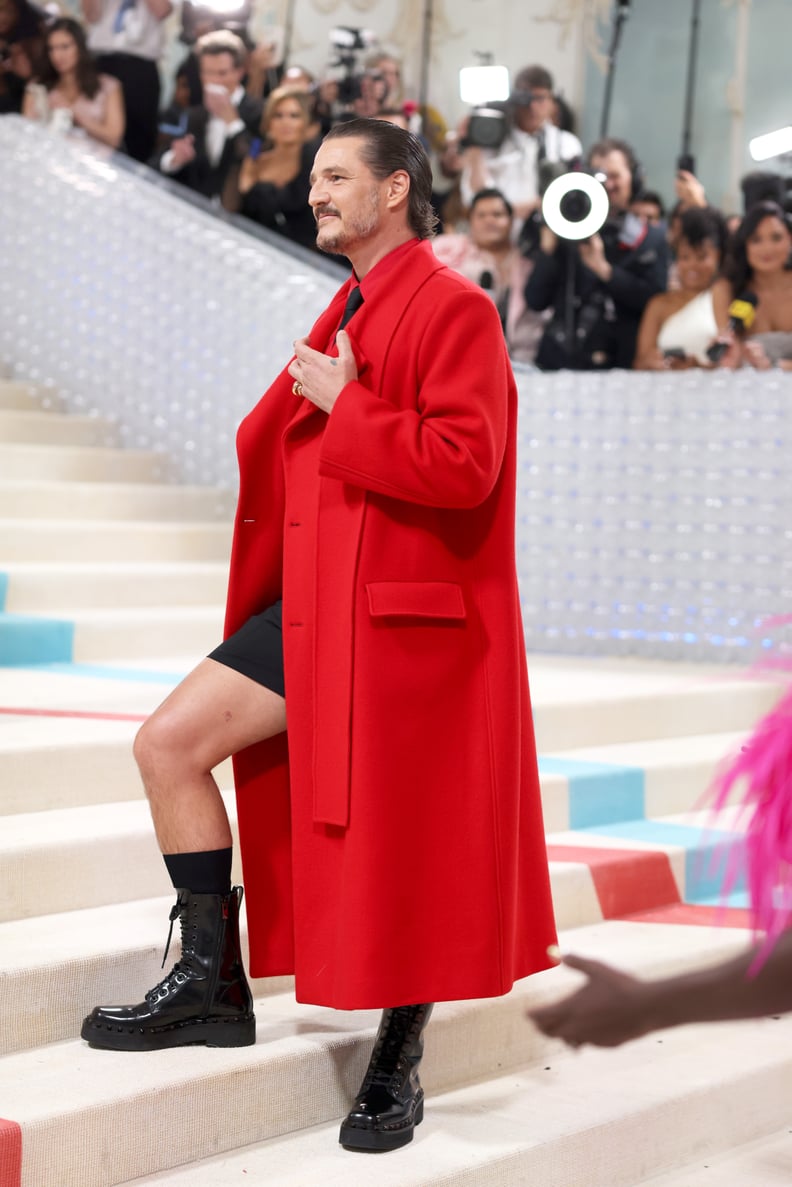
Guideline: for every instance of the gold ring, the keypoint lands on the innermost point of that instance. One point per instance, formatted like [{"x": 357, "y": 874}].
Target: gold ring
[{"x": 297, "y": 388}]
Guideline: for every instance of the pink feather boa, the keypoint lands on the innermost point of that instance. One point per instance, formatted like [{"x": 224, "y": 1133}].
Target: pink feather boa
[{"x": 764, "y": 768}]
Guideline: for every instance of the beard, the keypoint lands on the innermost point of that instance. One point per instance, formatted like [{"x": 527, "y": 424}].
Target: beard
[{"x": 360, "y": 225}]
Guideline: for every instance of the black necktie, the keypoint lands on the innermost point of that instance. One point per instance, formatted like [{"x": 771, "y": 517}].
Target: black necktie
[{"x": 353, "y": 303}]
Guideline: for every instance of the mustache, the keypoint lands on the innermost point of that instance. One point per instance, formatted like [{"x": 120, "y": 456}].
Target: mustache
[{"x": 320, "y": 210}]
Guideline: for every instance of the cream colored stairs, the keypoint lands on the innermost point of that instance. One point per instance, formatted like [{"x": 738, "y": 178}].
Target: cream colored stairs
[
  {"x": 134, "y": 569},
  {"x": 98, "y": 557}
]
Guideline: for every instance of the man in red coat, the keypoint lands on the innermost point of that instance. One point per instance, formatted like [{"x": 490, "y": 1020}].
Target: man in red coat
[{"x": 394, "y": 850}]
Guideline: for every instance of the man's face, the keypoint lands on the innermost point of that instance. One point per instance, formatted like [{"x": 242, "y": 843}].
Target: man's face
[
  {"x": 648, "y": 210},
  {"x": 617, "y": 178},
  {"x": 531, "y": 116},
  {"x": 346, "y": 198},
  {"x": 219, "y": 70},
  {"x": 490, "y": 224}
]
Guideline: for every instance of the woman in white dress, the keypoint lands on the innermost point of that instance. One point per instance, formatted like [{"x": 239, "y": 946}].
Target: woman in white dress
[
  {"x": 679, "y": 325},
  {"x": 71, "y": 92}
]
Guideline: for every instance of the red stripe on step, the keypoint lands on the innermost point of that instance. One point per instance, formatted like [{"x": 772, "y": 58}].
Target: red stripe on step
[
  {"x": 10, "y": 1154},
  {"x": 696, "y": 916},
  {"x": 83, "y": 713},
  {"x": 626, "y": 880}
]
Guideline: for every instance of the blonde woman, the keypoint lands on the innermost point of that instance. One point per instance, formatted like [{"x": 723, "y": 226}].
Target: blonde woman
[{"x": 274, "y": 182}]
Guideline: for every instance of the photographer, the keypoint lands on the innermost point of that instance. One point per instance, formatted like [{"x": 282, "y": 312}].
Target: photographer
[
  {"x": 531, "y": 138},
  {"x": 599, "y": 288}
]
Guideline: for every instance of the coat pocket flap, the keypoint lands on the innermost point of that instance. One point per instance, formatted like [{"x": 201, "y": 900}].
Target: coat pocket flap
[{"x": 417, "y": 599}]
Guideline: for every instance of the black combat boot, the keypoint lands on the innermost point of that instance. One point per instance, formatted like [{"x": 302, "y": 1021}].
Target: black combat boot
[
  {"x": 205, "y": 998},
  {"x": 390, "y": 1102}
]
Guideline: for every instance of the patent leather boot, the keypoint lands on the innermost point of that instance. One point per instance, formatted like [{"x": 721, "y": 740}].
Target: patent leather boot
[
  {"x": 205, "y": 998},
  {"x": 390, "y": 1102}
]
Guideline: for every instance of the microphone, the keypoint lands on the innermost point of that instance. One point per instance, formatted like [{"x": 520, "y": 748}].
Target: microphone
[
  {"x": 742, "y": 312},
  {"x": 487, "y": 280}
]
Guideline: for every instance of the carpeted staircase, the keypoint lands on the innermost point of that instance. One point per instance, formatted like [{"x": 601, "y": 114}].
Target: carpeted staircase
[{"x": 111, "y": 588}]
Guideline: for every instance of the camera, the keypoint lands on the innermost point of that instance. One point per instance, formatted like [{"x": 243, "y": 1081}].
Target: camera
[
  {"x": 487, "y": 127},
  {"x": 348, "y": 43},
  {"x": 574, "y": 206}
]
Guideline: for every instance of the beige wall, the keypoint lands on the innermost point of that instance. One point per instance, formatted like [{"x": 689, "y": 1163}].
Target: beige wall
[{"x": 516, "y": 32}]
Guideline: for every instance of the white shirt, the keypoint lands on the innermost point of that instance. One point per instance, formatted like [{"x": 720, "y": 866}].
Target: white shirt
[
  {"x": 217, "y": 132},
  {"x": 141, "y": 33},
  {"x": 513, "y": 168}
]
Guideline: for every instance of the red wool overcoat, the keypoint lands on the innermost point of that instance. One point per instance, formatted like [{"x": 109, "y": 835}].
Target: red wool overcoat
[{"x": 392, "y": 841}]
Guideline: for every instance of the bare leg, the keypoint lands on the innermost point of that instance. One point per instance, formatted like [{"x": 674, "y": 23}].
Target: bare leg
[{"x": 212, "y": 714}]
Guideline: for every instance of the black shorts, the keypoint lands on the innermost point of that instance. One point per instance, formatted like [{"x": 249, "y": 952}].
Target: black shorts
[{"x": 256, "y": 649}]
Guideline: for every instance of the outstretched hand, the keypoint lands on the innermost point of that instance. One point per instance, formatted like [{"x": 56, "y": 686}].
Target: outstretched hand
[
  {"x": 322, "y": 379},
  {"x": 610, "y": 1009}
]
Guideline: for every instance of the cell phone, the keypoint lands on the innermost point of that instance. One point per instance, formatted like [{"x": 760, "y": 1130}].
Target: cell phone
[{"x": 687, "y": 163}]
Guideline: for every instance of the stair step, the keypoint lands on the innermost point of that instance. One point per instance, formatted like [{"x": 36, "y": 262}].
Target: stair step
[
  {"x": 88, "y": 636},
  {"x": 602, "y": 1119},
  {"x": 125, "y": 634},
  {"x": 27, "y": 396},
  {"x": 676, "y": 771},
  {"x": 55, "y": 428},
  {"x": 103, "y": 853},
  {"x": 77, "y": 857},
  {"x": 578, "y": 704},
  {"x": 94, "y": 540},
  {"x": 57, "y": 763},
  {"x": 63, "y": 587},
  {"x": 764, "y": 1162},
  {"x": 82, "y": 463},
  {"x": 307, "y": 1063},
  {"x": 113, "y": 500},
  {"x": 56, "y": 968}
]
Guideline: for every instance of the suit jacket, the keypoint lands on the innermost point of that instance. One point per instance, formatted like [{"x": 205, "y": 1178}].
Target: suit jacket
[
  {"x": 394, "y": 848},
  {"x": 200, "y": 174}
]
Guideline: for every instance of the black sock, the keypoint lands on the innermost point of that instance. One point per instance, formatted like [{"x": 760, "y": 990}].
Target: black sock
[{"x": 202, "y": 873}]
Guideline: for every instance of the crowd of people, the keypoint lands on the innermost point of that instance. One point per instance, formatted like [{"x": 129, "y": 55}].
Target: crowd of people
[{"x": 653, "y": 289}]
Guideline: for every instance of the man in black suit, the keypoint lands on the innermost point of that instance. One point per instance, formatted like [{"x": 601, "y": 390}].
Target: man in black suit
[{"x": 218, "y": 132}]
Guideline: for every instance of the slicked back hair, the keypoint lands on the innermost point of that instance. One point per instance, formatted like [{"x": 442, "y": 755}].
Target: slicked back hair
[{"x": 387, "y": 149}]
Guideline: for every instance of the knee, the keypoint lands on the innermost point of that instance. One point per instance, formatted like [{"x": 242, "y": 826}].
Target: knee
[{"x": 160, "y": 742}]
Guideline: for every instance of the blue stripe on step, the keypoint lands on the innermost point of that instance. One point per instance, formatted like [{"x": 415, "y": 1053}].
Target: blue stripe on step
[
  {"x": 599, "y": 793},
  {"x": 737, "y": 898},
  {"x": 135, "y": 675},
  {"x": 26, "y": 640}
]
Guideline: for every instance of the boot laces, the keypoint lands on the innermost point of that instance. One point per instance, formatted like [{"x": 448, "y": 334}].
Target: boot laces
[
  {"x": 387, "y": 1059},
  {"x": 176, "y": 910},
  {"x": 179, "y": 973}
]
